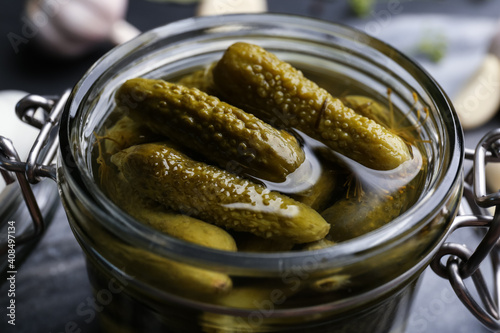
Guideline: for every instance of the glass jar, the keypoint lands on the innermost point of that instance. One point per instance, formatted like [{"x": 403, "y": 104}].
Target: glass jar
[{"x": 362, "y": 285}]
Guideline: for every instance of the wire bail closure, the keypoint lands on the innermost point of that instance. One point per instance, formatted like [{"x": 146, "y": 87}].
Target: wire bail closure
[
  {"x": 462, "y": 263},
  {"x": 38, "y": 164}
]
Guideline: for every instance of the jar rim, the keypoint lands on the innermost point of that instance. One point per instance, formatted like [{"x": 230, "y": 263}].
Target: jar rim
[{"x": 131, "y": 230}]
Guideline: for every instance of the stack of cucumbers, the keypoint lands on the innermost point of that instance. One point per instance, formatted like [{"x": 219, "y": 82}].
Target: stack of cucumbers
[{"x": 204, "y": 159}]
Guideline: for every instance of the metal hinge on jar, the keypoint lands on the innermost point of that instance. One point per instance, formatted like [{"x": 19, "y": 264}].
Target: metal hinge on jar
[
  {"x": 461, "y": 262},
  {"x": 43, "y": 113}
]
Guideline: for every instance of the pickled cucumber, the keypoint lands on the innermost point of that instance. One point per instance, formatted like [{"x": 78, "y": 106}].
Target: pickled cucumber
[
  {"x": 250, "y": 243},
  {"x": 183, "y": 227},
  {"x": 162, "y": 173},
  {"x": 251, "y": 296},
  {"x": 256, "y": 297},
  {"x": 321, "y": 192},
  {"x": 125, "y": 133},
  {"x": 158, "y": 271},
  {"x": 221, "y": 133},
  {"x": 369, "y": 108},
  {"x": 162, "y": 272},
  {"x": 187, "y": 280},
  {"x": 201, "y": 79},
  {"x": 189, "y": 229},
  {"x": 329, "y": 283},
  {"x": 256, "y": 80},
  {"x": 168, "y": 274},
  {"x": 355, "y": 216},
  {"x": 263, "y": 300},
  {"x": 317, "y": 245}
]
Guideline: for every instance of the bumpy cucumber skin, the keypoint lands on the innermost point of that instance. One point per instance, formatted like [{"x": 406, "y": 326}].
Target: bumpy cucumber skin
[
  {"x": 187, "y": 279},
  {"x": 126, "y": 133},
  {"x": 252, "y": 78},
  {"x": 218, "y": 131},
  {"x": 217, "y": 196},
  {"x": 166, "y": 273},
  {"x": 180, "y": 226},
  {"x": 369, "y": 108}
]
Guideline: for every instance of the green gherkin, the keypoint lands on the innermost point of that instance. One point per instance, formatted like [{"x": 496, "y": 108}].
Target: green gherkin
[
  {"x": 228, "y": 136},
  {"x": 126, "y": 133},
  {"x": 250, "y": 243},
  {"x": 355, "y": 216},
  {"x": 370, "y": 108},
  {"x": 252, "y": 78},
  {"x": 201, "y": 79},
  {"x": 317, "y": 245},
  {"x": 180, "y": 226},
  {"x": 162, "y": 173},
  {"x": 160, "y": 272},
  {"x": 320, "y": 194}
]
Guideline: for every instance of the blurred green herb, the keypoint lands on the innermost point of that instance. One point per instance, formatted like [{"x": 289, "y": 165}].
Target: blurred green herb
[
  {"x": 432, "y": 45},
  {"x": 362, "y": 7}
]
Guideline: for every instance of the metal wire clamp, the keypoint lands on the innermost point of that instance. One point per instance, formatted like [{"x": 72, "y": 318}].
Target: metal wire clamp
[
  {"x": 462, "y": 263},
  {"x": 43, "y": 113}
]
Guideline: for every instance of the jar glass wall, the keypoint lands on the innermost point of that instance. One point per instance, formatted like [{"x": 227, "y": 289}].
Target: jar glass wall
[{"x": 362, "y": 285}]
